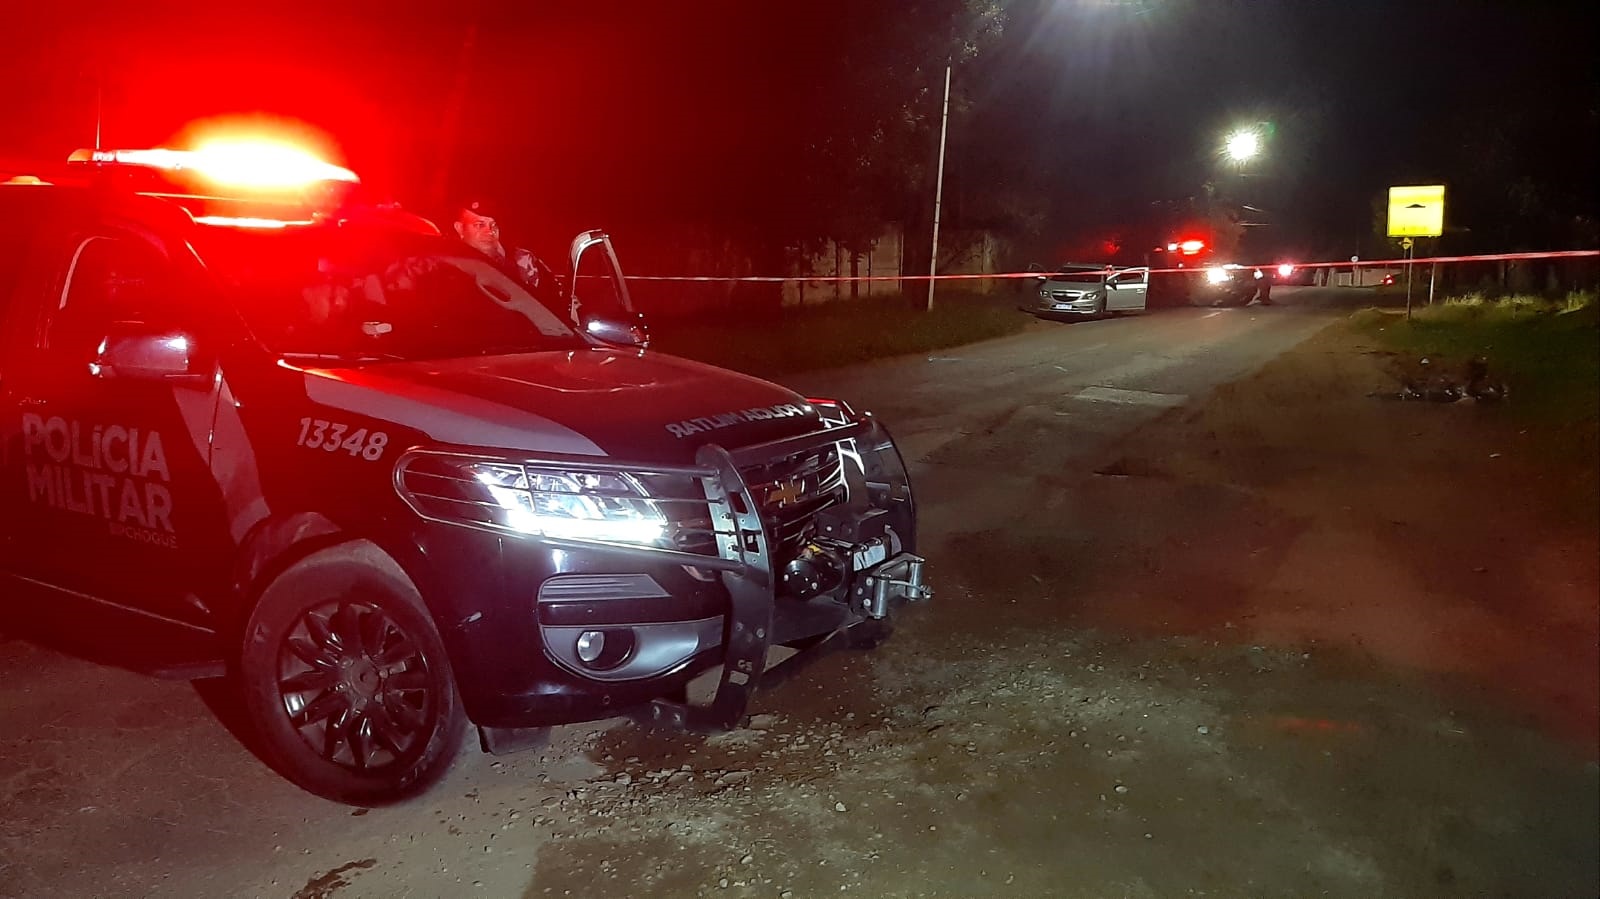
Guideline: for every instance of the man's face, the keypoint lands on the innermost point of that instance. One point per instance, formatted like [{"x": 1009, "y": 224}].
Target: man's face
[{"x": 480, "y": 232}]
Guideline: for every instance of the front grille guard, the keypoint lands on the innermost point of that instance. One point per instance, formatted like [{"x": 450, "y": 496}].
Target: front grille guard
[{"x": 875, "y": 476}]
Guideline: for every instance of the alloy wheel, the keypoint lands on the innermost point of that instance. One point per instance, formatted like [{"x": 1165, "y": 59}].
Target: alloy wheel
[{"x": 357, "y": 688}]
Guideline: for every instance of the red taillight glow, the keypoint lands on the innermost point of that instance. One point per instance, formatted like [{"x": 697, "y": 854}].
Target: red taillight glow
[{"x": 1191, "y": 247}]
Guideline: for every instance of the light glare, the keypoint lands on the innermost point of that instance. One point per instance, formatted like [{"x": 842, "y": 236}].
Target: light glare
[{"x": 1243, "y": 145}]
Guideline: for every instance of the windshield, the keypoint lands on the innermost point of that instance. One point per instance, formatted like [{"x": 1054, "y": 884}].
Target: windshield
[
  {"x": 364, "y": 294},
  {"x": 1079, "y": 276}
]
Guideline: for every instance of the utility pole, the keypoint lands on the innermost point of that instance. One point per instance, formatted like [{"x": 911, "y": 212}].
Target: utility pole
[
  {"x": 456, "y": 100},
  {"x": 938, "y": 190},
  {"x": 1410, "y": 254},
  {"x": 99, "y": 103}
]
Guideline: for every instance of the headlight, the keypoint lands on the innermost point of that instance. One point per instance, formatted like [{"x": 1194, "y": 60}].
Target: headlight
[
  {"x": 1218, "y": 275},
  {"x": 1285, "y": 270},
  {"x": 573, "y": 505}
]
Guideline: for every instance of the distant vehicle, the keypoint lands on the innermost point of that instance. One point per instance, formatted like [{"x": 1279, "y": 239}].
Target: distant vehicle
[
  {"x": 1091, "y": 290},
  {"x": 1288, "y": 273},
  {"x": 1231, "y": 284}
]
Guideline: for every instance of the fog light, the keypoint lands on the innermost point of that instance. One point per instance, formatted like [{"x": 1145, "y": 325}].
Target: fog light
[
  {"x": 590, "y": 645},
  {"x": 604, "y": 650}
]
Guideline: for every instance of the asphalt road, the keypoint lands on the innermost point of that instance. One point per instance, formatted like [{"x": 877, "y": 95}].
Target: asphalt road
[
  {"x": 113, "y": 784},
  {"x": 1079, "y": 384}
]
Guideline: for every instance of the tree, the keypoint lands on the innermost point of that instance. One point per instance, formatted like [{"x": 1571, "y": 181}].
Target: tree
[{"x": 873, "y": 118}]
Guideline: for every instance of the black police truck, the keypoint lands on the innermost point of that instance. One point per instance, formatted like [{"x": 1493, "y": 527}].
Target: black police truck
[{"x": 388, "y": 489}]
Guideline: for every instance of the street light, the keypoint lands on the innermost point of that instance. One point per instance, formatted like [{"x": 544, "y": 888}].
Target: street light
[{"x": 1243, "y": 145}]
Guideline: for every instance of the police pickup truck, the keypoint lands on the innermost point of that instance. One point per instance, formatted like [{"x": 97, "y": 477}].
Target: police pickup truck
[{"x": 389, "y": 490}]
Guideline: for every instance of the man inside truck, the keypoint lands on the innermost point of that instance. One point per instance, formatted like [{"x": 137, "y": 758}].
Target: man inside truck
[{"x": 481, "y": 231}]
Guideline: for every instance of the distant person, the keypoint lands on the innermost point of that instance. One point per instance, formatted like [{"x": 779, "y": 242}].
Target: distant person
[{"x": 1264, "y": 286}]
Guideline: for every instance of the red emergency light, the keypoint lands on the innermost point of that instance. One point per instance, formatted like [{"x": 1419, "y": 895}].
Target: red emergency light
[
  {"x": 259, "y": 165},
  {"x": 245, "y": 221}
]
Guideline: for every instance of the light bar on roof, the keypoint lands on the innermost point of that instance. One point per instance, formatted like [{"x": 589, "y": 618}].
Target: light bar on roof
[
  {"x": 247, "y": 164},
  {"x": 241, "y": 221}
]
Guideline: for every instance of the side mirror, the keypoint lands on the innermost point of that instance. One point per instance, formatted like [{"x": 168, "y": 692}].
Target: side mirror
[
  {"x": 135, "y": 350},
  {"x": 618, "y": 333}
]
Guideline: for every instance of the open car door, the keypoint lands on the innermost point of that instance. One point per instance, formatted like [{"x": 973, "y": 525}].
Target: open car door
[
  {"x": 1128, "y": 290},
  {"x": 600, "y": 304}
]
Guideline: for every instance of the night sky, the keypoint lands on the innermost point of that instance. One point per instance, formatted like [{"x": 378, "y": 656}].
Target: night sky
[{"x": 639, "y": 116}]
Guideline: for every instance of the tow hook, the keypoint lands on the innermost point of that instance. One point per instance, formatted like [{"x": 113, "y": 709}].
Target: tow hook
[{"x": 898, "y": 578}]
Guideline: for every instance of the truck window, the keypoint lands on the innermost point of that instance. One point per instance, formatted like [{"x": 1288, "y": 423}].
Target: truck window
[
  {"x": 107, "y": 279},
  {"x": 595, "y": 289},
  {"x": 330, "y": 291}
]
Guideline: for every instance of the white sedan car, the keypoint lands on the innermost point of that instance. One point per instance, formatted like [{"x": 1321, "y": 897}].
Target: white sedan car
[{"x": 1091, "y": 290}]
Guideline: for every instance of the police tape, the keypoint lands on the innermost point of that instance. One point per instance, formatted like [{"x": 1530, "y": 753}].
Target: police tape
[{"x": 1193, "y": 269}]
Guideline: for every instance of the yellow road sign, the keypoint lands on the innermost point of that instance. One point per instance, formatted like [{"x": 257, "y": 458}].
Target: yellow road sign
[{"x": 1416, "y": 211}]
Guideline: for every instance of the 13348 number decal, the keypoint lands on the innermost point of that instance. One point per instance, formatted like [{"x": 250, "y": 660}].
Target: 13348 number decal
[{"x": 332, "y": 437}]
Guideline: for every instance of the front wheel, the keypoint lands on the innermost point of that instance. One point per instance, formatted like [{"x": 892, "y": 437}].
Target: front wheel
[{"x": 347, "y": 682}]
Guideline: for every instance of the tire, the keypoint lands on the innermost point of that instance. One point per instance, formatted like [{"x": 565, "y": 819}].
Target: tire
[{"x": 346, "y": 680}]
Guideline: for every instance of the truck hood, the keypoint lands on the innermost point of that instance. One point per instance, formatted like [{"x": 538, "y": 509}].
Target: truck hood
[{"x": 591, "y": 402}]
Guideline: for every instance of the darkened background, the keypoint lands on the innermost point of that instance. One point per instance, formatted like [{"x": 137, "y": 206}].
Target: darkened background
[{"x": 773, "y": 124}]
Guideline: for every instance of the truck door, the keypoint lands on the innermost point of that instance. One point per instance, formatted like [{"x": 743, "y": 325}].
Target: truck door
[
  {"x": 601, "y": 305},
  {"x": 25, "y": 213},
  {"x": 114, "y": 400}
]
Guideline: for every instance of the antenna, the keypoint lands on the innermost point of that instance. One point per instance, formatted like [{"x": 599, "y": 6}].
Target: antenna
[{"x": 99, "y": 106}]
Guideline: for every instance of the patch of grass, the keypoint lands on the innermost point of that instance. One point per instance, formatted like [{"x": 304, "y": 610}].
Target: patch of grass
[
  {"x": 842, "y": 332},
  {"x": 1547, "y": 351}
]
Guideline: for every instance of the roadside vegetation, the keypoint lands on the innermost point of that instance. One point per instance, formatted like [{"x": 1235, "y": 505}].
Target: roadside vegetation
[
  {"x": 1547, "y": 352},
  {"x": 842, "y": 332}
]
